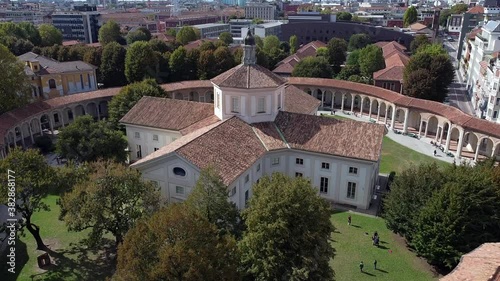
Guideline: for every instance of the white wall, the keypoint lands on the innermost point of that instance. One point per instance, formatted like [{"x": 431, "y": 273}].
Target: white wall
[{"x": 146, "y": 141}]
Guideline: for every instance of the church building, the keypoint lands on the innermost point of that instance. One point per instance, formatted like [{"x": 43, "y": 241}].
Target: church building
[{"x": 257, "y": 125}]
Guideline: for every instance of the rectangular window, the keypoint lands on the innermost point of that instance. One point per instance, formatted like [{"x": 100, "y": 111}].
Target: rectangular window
[
  {"x": 81, "y": 80},
  {"x": 323, "y": 185},
  {"x": 258, "y": 167},
  {"x": 56, "y": 118},
  {"x": 155, "y": 137},
  {"x": 139, "y": 151},
  {"x": 275, "y": 161},
  {"x": 299, "y": 161},
  {"x": 498, "y": 101},
  {"x": 156, "y": 148},
  {"x": 235, "y": 105},
  {"x": 279, "y": 101},
  {"x": 353, "y": 170},
  {"x": 325, "y": 166},
  {"x": 137, "y": 135},
  {"x": 246, "y": 197},
  {"x": 298, "y": 175},
  {"x": 232, "y": 192},
  {"x": 351, "y": 190},
  {"x": 247, "y": 178},
  {"x": 89, "y": 81},
  {"x": 179, "y": 189},
  {"x": 495, "y": 114},
  {"x": 261, "y": 105}
]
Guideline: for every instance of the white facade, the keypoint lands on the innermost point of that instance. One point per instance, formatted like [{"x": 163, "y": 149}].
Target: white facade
[
  {"x": 342, "y": 180},
  {"x": 489, "y": 103},
  {"x": 143, "y": 141},
  {"x": 260, "y": 11}
]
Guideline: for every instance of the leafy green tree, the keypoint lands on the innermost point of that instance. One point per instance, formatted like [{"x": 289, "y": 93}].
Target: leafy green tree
[
  {"x": 177, "y": 62},
  {"x": 159, "y": 45},
  {"x": 258, "y": 41},
  {"x": 370, "y": 59},
  {"x": 171, "y": 32},
  {"x": 50, "y": 35},
  {"x": 402, "y": 205},
  {"x": 275, "y": 56},
  {"x": 13, "y": 29},
  {"x": 288, "y": 232},
  {"x": 207, "y": 46},
  {"x": 257, "y": 21},
  {"x": 85, "y": 140},
  {"x": 112, "y": 200},
  {"x": 226, "y": 37},
  {"x": 33, "y": 179},
  {"x": 410, "y": 16},
  {"x": 206, "y": 65},
  {"x": 140, "y": 62},
  {"x": 347, "y": 71},
  {"x": 271, "y": 42},
  {"x": 238, "y": 56},
  {"x": 444, "y": 16},
  {"x": 294, "y": 44},
  {"x": 109, "y": 32},
  {"x": 459, "y": 8},
  {"x": 358, "y": 41},
  {"x": 322, "y": 52},
  {"x": 357, "y": 78},
  {"x": 177, "y": 243},
  {"x": 31, "y": 33},
  {"x": 344, "y": 16},
  {"x": 418, "y": 42},
  {"x": 285, "y": 47},
  {"x": 224, "y": 60},
  {"x": 262, "y": 58},
  {"x": 209, "y": 198},
  {"x": 137, "y": 35},
  {"x": 432, "y": 49},
  {"x": 113, "y": 65},
  {"x": 190, "y": 68},
  {"x": 338, "y": 50},
  {"x": 21, "y": 46},
  {"x": 15, "y": 89},
  {"x": 316, "y": 67},
  {"x": 130, "y": 95},
  {"x": 422, "y": 84},
  {"x": 353, "y": 58},
  {"x": 185, "y": 35}
]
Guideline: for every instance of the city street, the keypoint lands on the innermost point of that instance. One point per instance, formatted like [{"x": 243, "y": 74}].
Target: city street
[{"x": 457, "y": 91}]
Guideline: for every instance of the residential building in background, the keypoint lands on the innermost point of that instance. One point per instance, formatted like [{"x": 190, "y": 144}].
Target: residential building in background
[
  {"x": 261, "y": 11},
  {"x": 237, "y": 24},
  {"x": 50, "y": 78},
  {"x": 80, "y": 24},
  {"x": 285, "y": 67},
  {"x": 211, "y": 30},
  {"x": 489, "y": 81},
  {"x": 264, "y": 29},
  {"x": 391, "y": 77}
]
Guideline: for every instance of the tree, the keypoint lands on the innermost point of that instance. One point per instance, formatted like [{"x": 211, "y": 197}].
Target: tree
[
  {"x": 402, "y": 204},
  {"x": 207, "y": 46},
  {"x": 130, "y": 95},
  {"x": 112, "y": 200},
  {"x": 419, "y": 41},
  {"x": 348, "y": 71},
  {"x": 258, "y": 41},
  {"x": 109, "y": 32},
  {"x": 50, "y": 35},
  {"x": 171, "y": 32},
  {"x": 185, "y": 35},
  {"x": 432, "y": 49},
  {"x": 274, "y": 56},
  {"x": 344, "y": 16},
  {"x": 177, "y": 63},
  {"x": 209, "y": 199},
  {"x": 113, "y": 65},
  {"x": 459, "y": 8},
  {"x": 288, "y": 231},
  {"x": 316, "y": 67},
  {"x": 190, "y": 68},
  {"x": 226, "y": 37},
  {"x": 140, "y": 62},
  {"x": 358, "y": 41},
  {"x": 137, "y": 35},
  {"x": 271, "y": 42},
  {"x": 15, "y": 89},
  {"x": 370, "y": 59},
  {"x": 31, "y": 32},
  {"x": 21, "y": 46},
  {"x": 443, "y": 17},
  {"x": 159, "y": 45},
  {"x": 338, "y": 49},
  {"x": 353, "y": 58},
  {"x": 224, "y": 60},
  {"x": 294, "y": 44},
  {"x": 410, "y": 16},
  {"x": 177, "y": 243},
  {"x": 421, "y": 83},
  {"x": 33, "y": 179},
  {"x": 206, "y": 65},
  {"x": 87, "y": 140},
  {"x": 322, "y": 52},
  {"x": 285, "y": 47}
]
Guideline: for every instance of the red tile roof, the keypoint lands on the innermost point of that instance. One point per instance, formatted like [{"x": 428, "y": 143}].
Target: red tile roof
[
  {"x": 395, "y": 62},
  {"x": 167, "y": 114},
  {"x": 481, "y": 264},
  {"x": 287, "y": 64},
  {"x": 248, "y": 76},
  {"x": 298, "y": 101},
  {"x": 476, "y": 10},
  {"x": 196, "y": 44},
  {"x": 392, "y": 73}
]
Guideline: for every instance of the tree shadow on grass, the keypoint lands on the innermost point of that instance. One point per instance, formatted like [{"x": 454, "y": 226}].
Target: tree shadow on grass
[
  {"x": 22, "y": 258},
  {"x": 80, "y": 262}
]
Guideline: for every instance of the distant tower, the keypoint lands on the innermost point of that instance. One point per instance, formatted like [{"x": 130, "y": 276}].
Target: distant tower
[
  {"x": 174, "y": 10},
  {"x": 249, "y": 49},
  {"x": 435, "y": 19}
]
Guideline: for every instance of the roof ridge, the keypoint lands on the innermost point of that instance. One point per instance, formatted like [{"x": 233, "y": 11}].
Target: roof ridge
[
  {"x": 260, "y": 139},
  {"x": 281, "y": 135}
]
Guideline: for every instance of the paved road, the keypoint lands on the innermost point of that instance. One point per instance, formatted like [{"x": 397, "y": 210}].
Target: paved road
[{"x": 457, "y": 91}]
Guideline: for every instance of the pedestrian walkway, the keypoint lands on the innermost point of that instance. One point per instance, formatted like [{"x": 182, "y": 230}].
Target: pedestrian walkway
[{"x": 422, "y": 145}]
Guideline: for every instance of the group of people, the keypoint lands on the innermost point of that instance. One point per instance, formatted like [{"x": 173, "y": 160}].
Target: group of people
[
  {"x": 375, "y": 240},
  {"x": 362, "y": 265}
]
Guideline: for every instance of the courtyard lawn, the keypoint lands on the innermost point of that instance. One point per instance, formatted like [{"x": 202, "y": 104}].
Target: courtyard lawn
[
  {"x": 397, "y": 157},
  {"x": 75, "y": 261},
  {"x": 352, "y": 245}
]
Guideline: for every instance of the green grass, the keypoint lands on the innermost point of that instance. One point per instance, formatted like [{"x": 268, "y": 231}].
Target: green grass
[
  {"x": 352, "y": 245},
  {"x": 337, "y": 117},
  {"x": 75, "y": 261},
  {"x": 397, "y": 157}
]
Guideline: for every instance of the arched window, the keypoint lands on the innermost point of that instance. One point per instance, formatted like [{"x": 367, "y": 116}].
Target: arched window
[
  {"x": 179, "y": 172},
  {"x": 52, "y": 83}
]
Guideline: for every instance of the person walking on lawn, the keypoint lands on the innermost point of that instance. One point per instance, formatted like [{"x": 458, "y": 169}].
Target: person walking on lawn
[
  {"x": 375, "y": 264},
  {"x": 349, "y": 220},
  {"x": 361, "y": 265}
]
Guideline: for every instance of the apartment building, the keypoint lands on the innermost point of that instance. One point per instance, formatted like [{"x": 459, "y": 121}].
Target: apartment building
[
  {"x": 211, "y": 30},
  {"x": 489, "y": 81},
  {"x": 260, "y": 11},
  {"x": 265, "y": 29},
  {"x": 80, "y": 24}
]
